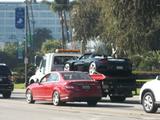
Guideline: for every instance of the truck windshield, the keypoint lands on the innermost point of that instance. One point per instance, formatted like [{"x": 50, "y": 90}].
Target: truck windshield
[{"x": 59, "y": 61}]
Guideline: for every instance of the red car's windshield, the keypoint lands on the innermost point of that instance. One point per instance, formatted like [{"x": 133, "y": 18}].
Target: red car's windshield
[{"x": 75, "y": 76}]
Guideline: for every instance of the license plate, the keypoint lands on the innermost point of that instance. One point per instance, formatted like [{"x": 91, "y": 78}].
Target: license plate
[
  {"x": 86, "y": 87},
  {"x": 119, "y": 67}
]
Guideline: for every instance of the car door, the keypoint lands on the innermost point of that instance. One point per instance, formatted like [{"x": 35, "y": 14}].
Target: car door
[
  {"x": 80, "y": 64},
  {"x": 39, "y": 89},
  {"x": 156, "y": 88},
  {"x": 49, "y": 85}
]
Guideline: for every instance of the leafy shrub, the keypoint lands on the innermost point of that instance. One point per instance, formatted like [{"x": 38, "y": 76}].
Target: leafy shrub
[
  {"x": 149, "y": 61},
  {"x": 19, "y": 73}
]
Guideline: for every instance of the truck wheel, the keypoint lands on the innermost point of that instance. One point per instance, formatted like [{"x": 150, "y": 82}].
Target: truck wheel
[
  {"x": 92, "y": 68},
  {"x": 31, "y": 82},
  {"x": 67, "y": 67},
  {"x": 148, "y": 103},
  {"x": 117, "y": 98},
  {"x": 92, "y": 103}
]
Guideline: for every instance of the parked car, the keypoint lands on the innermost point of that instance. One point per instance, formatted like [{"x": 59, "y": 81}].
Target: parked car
[
  {"x": 66, "y": 86},
  {"x": 119, "y": 82},
  {"x": 6, "y": 83},
  {"x": 150, "y": 96}
]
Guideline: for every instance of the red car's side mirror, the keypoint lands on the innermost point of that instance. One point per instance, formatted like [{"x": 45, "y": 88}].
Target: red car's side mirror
[{"x": 98, "y": 77}]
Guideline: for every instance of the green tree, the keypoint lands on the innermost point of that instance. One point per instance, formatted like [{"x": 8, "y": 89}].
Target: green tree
[
  {"x": 61, "y": 6},
  {"x": 40, "y": 35},
  {"x": 128, "y": 24},
  {"x": 9, "y": 55},
  {"x": 85, "y": 20},
  {"x": 50, "y": 46}
]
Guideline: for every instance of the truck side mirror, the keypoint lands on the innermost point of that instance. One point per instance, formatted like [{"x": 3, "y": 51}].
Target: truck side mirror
[{"x": 37, "y": 60}]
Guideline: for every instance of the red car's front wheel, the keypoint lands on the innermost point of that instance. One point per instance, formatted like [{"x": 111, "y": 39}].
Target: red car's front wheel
[{"x": 29, "y": 97}]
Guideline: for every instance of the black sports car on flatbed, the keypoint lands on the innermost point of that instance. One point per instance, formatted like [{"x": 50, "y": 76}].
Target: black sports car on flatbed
[{"x": 119, "y": 82}]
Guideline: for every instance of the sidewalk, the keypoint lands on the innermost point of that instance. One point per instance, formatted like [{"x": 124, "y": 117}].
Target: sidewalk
[{"x": 19, "y": 90}]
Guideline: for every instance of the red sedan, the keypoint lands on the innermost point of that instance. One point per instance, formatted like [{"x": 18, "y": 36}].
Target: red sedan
[{"x": 66, "y": 86}]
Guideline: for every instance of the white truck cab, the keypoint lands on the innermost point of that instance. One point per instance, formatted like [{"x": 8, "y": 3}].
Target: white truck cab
[{"x": 53, "y": 62}]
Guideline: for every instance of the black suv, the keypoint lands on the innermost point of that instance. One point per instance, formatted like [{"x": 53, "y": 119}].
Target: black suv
[{"x": 6, "y": 83}]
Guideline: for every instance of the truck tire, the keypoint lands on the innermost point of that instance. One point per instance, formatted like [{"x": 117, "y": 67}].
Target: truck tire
[
  {"x": 31, "y": 82},
  {"x": 117, "y": 98},
  {"x": 7, "y": 94},
  {"x": 92, "y": 103}
]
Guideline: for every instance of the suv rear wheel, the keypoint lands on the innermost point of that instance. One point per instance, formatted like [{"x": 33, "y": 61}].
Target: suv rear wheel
[
  {"x": 148, "y": 102},
  {"x": 7, "y": 94}
]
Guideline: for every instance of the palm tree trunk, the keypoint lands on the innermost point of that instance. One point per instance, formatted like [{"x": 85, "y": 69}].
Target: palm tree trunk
[
  {"x": 62, "y": 25},
  {"x": 66, "y": 25}
]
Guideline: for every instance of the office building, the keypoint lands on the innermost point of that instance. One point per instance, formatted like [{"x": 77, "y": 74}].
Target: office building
[{"x": 41, "y": 16}]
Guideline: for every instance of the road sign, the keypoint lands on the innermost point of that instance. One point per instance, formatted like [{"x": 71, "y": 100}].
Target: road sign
[
  {"x": 20, "y": 17},
  {"x": 20, "y": 53}
]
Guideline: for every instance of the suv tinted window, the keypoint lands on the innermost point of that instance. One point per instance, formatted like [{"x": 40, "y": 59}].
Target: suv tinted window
[{"x": 4, "y": 70}]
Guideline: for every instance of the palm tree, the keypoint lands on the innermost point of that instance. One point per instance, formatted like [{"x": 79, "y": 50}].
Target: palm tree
[{"x": 61, "y": 6}]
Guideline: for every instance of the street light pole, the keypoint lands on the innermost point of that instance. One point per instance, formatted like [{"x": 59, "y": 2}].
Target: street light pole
[{"x": 26, "y": 42}]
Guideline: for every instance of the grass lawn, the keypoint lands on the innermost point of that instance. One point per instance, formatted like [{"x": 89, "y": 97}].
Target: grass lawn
[{"x": 19, "y": 86}]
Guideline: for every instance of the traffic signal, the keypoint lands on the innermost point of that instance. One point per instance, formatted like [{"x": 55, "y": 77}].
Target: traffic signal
[{"x": 20, "y": 17}]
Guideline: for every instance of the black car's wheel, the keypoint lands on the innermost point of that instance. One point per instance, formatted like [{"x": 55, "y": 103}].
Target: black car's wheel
[
  {"x": 29, "y": 97},
  {"x": 67, "y": 67},
  {"x": 56, "y": 98},
  {"x": 92, "y": 68},
  {"x": 7, "y": 94},
  {"x": 92, "y": 103},
  {"x": 148, "y": 103},
  {"x": 117, "y": 98}
]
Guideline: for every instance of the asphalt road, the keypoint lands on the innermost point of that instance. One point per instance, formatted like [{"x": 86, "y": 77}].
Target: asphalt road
[{"x": 16, "y": 108}]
